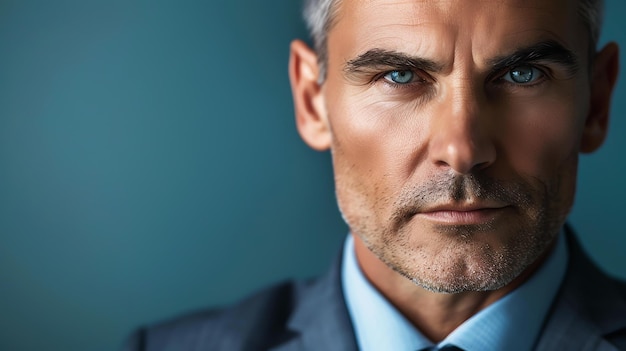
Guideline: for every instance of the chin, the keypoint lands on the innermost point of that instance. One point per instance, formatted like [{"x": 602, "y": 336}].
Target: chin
[{"x": 454, "y": 259}]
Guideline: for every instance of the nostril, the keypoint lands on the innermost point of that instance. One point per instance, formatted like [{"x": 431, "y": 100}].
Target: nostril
[
  {"x": 463, "y": 140},
  {"x": 467, "y": 158},
  {"x": 482, "y": 165}
]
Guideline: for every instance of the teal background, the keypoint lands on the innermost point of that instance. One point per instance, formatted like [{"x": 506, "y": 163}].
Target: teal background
[{"x": 149, "y": 165}]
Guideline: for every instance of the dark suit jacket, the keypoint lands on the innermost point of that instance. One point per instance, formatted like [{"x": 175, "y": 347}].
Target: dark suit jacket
[{"x": 589, "y": 313}]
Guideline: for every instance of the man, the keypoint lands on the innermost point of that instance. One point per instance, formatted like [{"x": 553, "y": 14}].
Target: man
[{"x": 455, "y": 128}]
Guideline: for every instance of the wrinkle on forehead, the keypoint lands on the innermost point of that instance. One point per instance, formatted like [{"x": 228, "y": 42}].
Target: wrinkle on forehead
[
  {"x": 451, "y": 12},
  {"x": 465, "y": 31}
]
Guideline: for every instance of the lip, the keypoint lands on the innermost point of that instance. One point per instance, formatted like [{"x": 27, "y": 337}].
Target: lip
[{"x": 463, "y": 214}]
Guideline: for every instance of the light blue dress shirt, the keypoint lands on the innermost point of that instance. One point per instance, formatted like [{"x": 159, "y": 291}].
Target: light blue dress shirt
[{"x": 512, "y": 323}]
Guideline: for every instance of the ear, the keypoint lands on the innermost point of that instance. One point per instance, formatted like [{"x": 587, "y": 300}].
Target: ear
[
  {"x": 311, "y": 118},
  {"x": 603, "y": 77}
]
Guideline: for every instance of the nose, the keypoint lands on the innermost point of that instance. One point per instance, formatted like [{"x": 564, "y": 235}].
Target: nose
[{"x": 461, "y": 137}]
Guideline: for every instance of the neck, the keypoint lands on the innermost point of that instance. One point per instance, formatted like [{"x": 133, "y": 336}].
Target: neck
[{"x": 435, "y": 315}]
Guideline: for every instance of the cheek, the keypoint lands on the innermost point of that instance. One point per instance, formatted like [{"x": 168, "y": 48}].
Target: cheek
[
  {"x": 376, "y": 139},
  {"x": 373, "y": 144},
  {"x": 544, "y": 139},
  {"x": 375, "y": 122}
]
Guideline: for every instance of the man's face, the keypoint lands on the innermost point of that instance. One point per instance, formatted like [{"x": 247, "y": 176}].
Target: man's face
[{"x": 455, "y": 128}]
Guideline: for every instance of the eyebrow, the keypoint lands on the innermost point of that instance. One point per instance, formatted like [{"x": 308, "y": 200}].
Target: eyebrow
[
  {"x": 377, "y": 58},
  {"x": 548, "y": 51}
]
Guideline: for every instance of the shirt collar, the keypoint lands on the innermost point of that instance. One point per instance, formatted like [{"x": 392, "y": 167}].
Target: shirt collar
[
  {"x": 511, "y": 323},
  {"x": 378, "y": 325}
]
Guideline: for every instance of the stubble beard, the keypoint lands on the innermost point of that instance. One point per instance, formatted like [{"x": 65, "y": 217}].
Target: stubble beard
[{"x": 458, "y": 258}]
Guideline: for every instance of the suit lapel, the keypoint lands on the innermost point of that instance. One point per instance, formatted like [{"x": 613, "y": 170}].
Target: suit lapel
[
  {"x": 568, "y": 330},
  {"x": 587, "y": 309},
  {"x": 321, "y": 320}
]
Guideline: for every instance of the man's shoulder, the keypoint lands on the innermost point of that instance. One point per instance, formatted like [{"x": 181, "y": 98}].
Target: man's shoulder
[
  {"x": 590, "y": 311},
  {"x": 616, "y": 285},
  {"x": 257, "y": 321},
  {"x": 284, "y": 316}
]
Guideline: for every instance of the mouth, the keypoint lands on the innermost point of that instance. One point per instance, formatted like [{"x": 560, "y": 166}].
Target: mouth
[{"x": 473, "y": 214}]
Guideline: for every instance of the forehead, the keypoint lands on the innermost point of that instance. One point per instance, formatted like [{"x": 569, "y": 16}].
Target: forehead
[{"x": 445, "y": 27}]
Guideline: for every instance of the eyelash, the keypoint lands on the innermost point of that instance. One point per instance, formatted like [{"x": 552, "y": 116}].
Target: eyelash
[
  {"x": 497, "y": 78},
  {"x": 417, "y": 79}
]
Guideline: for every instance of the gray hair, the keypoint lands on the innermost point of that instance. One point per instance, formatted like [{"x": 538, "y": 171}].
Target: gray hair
[{"x": 321, "y": 15}]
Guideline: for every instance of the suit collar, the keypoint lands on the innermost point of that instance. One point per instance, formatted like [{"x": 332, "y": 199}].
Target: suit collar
[
  {"x": 321, "y": 321},
  {"x": 588, "y": 307}
]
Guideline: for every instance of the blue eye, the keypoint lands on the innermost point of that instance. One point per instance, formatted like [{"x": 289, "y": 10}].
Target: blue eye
[
  {"x": 400, "y": 77},
  {"x": 523, "y": 75}
]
